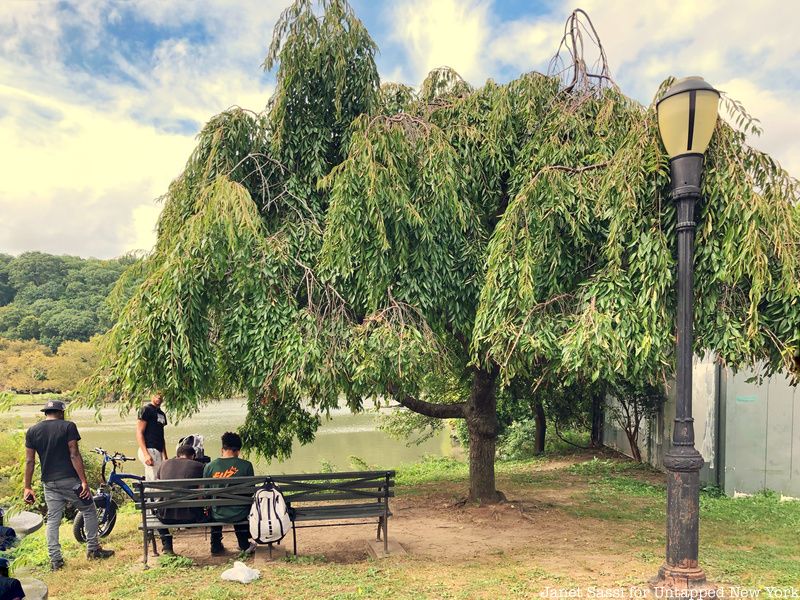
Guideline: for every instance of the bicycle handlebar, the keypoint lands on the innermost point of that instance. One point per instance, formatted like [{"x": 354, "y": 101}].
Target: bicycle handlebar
[{"x": 115, "y": 456}]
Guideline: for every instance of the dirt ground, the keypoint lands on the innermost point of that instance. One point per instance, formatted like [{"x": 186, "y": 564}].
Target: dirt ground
[{"x": 437, "y": 523}]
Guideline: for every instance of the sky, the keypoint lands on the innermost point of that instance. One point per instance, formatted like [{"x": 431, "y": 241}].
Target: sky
[{"x": 101, "y": 100}]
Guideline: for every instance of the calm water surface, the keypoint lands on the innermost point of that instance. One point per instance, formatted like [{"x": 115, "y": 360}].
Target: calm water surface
[{"x": 339, "y": 438}]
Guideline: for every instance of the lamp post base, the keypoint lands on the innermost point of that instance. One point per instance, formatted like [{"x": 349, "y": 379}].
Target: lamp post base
[{"x": 683, "y": 583}]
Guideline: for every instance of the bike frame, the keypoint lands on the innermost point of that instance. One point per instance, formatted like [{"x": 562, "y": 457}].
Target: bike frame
[{"x": 103, "y": 497}]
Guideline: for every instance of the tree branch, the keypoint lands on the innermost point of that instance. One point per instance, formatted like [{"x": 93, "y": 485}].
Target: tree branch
[{"x": 429, "y": 409}]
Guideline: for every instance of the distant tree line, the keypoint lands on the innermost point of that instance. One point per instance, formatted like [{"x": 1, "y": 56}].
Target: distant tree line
[
  {"x": 52, "y": 299},
  {"x": 27, "y": 367}
]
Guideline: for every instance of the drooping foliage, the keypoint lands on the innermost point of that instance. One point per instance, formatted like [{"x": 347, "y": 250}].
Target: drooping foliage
[
  {"x": 327, "y": 78},
  {"x": 400, "y": 225},
  {"x": 581, "y": 272},
  {"x": 230, "y": 302},
  {"x": 358, "y": 241}
]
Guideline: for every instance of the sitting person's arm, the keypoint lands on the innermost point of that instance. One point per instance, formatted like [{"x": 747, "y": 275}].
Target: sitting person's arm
[{"x": 11, "y": 588}]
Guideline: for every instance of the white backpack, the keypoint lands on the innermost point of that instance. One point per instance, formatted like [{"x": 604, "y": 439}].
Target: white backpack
[{"x": 269, "y": 516}]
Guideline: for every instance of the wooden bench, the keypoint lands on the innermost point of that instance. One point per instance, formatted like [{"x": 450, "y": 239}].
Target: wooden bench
[{"x": 360, "y": 497}]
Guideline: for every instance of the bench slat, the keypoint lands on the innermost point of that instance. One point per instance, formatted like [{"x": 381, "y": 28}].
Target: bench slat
[
  {"x": 302, "y": 517},
  {"x": 287, "y": 490},
  {"x": 333, "y": 508},
  {"x": 310, "y": 514},
  {"x": 259, "y": 479},
  {"x": 154, "y": 523},
  {"x": 168, "y": 490},
  {"x": 248, "y": 500}
]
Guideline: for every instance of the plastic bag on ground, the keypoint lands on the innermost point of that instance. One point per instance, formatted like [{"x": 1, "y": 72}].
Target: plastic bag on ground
[{"x": 241, "y": 572}]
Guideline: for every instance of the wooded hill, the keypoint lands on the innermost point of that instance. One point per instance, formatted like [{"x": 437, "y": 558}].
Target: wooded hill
[{"x": 51, "y": 299}]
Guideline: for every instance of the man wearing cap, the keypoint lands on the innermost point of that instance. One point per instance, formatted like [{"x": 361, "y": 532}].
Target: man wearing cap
[{"x": 55, "y": 440}]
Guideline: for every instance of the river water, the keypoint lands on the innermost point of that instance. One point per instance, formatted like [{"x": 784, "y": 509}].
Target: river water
[{"x": 339, "y": 438}]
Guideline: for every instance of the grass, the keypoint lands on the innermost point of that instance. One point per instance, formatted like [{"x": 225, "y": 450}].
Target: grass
[
  {"x": 10, "y": 399},
  {"x": 752, "y": 541},
  {"x": 604, "y": 514}
]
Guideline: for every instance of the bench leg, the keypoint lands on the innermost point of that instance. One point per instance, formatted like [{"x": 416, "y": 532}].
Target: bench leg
[
  {"x": 153, "y": 539},
  {"x": 385, "y": 535},
  {"x": 380, "y": 526},
  {"x": 144, "y": 551},
  {"x": 294, "y": 538}
]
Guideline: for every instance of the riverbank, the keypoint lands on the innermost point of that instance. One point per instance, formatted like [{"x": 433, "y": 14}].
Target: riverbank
[
  {"x": 14, "y": 399},
  {"x": 572, "y": 521}
]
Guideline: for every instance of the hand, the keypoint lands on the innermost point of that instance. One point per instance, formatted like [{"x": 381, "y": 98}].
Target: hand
[
  {"x": 85, "y": 493},
  {"x": 29, "y": 496},
  {"x": 149, "y": 460}
]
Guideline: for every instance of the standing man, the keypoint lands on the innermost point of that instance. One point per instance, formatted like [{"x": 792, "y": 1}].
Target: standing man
[
  {"x": 150, "y": 436},
  {"x": 230, "y": 465},
  {"x": 63, "y": 477}
]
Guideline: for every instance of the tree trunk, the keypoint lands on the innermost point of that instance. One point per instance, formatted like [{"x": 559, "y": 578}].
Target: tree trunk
[
  {"x": 541, "y": 426},
  {"x": 634, "y": 443},
  {"x": 597, "y": 421},
  {"x": 481, "y": 416}
]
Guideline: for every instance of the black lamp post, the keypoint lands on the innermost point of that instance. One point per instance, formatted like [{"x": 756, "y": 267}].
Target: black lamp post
[{"x": 687, "y": 114}]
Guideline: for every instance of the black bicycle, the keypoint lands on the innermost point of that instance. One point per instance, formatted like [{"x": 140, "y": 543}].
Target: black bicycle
[{"x": 103, "y": 499}]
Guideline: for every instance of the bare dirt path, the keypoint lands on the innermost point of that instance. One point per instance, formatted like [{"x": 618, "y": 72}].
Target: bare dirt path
[{"x": 435, "y": 525}]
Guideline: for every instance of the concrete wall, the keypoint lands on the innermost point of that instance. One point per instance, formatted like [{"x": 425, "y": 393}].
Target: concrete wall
[
  {"x": 748, "y": 432},
  {"x": 654, "y": 437},
  {"x": 761, "y": 434}
]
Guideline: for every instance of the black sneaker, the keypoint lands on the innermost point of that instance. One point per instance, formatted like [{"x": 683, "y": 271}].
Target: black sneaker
[
  {"x": 166, "y": 548},
  {"x": 217, "y": 550},
  {"x": 57, "y": 565},
  {"x": 99, "y": 554}
]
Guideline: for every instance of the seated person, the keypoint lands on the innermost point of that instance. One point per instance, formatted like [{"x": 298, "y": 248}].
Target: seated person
[
  {"x": 10, "y": 588},
  {"x": 183, "y": 466},
  {"x": 230, "y": 465}
]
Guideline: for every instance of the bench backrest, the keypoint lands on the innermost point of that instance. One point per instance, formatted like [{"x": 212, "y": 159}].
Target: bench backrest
[{"x": 307, "y": 487}]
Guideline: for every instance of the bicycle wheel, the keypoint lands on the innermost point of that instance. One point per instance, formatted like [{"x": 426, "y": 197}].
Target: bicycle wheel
[{"x": 105, "y": 521}]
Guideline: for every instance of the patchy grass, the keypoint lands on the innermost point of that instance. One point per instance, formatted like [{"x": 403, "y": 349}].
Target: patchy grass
[
  {"x": 10, "y": 399},
  {"x": 432, "y": 469},
  {"x": 596, "y": 522}
]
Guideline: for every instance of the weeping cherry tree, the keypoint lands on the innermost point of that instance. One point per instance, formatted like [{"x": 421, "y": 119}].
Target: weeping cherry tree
[{"x": 425, "y": 248}]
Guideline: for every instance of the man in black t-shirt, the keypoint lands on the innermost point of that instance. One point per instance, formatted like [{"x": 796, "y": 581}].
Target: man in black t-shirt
[
  {"x": 150, "y": 436},
  {"x": 183, "y": 466},
  {"x": 63, "y": 478}
]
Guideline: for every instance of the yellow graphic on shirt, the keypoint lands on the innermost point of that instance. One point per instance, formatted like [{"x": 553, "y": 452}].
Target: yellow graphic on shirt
[{"x": 231, "y": 472}]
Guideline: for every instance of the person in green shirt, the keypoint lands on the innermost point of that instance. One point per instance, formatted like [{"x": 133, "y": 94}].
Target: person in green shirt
[{"x": 230, "y": 465}]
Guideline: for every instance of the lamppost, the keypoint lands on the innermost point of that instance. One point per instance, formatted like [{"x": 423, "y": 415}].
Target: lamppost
[{"x": 687, "y": 114}]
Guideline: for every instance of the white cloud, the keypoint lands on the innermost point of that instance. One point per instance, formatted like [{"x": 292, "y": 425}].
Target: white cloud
[
  {"x": 449, "y": 33},
  {"x": 76, "y": 174},
  {"x": 85, "y": 154},
  {"x": 778, "y": 115},
  {"x": 745, "y": 48},
  {"x": 525, "y": 44}
]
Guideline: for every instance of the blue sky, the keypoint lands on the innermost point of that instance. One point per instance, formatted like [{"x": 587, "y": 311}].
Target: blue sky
[{"x": 100, "y": 100}]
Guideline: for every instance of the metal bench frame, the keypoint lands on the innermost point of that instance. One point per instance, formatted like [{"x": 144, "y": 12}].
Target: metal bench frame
[{"x": 311, "y": 497}]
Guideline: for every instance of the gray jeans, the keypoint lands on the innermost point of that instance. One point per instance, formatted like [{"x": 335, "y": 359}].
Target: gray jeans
[{"x": 57, "y": 494}]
